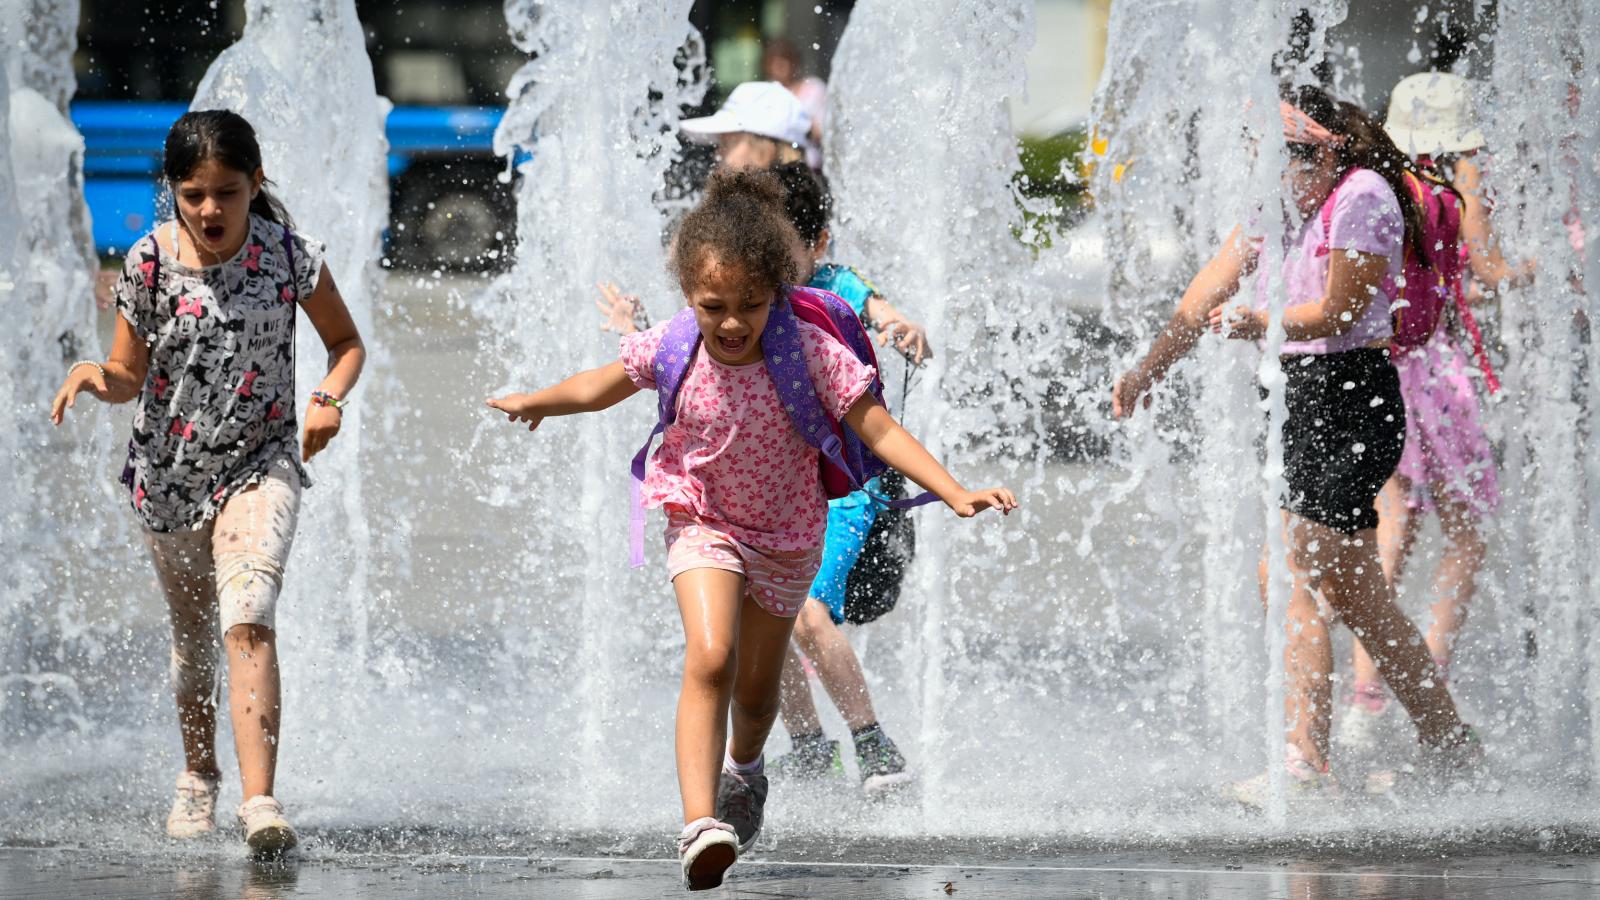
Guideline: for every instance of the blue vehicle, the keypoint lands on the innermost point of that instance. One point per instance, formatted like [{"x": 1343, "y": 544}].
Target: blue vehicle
[{"x": 448, "y": 206}]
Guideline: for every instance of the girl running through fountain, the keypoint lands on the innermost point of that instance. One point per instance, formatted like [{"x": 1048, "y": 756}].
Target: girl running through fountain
[
  {"x": 742, "y": 492},
  {"x": 1448, "y": 465},
  {"x": 1346, "y": 421},
  {"x": 205, "y": 344},
  {"x": 879, "y": 761}
]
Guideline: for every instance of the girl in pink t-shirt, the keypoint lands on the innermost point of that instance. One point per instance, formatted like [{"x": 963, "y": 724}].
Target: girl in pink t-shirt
[
  {"x": 1344, "y": 429},
  {"x": 742, "y": 495}
]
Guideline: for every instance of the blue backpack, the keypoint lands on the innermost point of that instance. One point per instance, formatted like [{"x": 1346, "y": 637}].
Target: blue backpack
[{"x": 847, "y": 464}]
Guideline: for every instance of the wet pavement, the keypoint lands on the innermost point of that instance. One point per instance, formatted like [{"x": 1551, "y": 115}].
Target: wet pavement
[{"x": 70, "y": 874}]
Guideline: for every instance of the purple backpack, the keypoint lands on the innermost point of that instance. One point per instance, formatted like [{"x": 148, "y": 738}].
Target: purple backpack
[{"x": 847, "y": 463}]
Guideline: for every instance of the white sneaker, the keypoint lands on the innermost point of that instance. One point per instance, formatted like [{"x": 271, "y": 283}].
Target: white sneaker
[
  {"x": 194, "y": 806},
  {"x": 1362, "y": 727},
  {"x": 1305, "y": 782},
  {"x": 265, "y": 829},
  {"x": 706, "y": 848}
]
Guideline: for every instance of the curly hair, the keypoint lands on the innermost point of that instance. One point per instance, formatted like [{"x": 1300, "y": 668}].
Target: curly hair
[
  {"x": 740, "y": 221},
  {"x": 809, "y": 202}
]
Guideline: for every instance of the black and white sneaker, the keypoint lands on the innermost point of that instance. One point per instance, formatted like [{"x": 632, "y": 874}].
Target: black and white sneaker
[
  {"x": 740, "y": 800},
  {"x": 706, "y": 848}
]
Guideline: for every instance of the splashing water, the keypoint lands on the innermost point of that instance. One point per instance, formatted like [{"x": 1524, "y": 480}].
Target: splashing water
[
  {"x": 1095, "y": 666},
  {"x": 1542, "y": 133},
  {"x": 598, "y": 108},
  {"x": 47, "y": 266}
]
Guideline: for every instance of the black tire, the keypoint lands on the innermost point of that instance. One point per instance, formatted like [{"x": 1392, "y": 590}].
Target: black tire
[{"x": 456, "y": 215}]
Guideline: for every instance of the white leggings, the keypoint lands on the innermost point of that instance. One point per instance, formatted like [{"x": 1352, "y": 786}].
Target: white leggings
[{"x": 227, "y": 572}]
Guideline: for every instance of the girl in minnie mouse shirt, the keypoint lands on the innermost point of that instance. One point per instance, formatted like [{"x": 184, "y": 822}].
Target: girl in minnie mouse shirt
[{"x": 205, "y": 344}]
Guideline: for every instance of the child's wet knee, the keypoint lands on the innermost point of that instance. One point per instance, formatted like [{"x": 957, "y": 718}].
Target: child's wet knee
[
  {"x": 247, "y": 590},
  {"x": 247, "y": 635},
  {"x": 712, "y": 665}
]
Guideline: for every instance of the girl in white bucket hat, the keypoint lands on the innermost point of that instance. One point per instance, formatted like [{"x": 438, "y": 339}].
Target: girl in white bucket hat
[
  {"x": 761, "y": 125},
  {"x": 1448, "y": 465}
]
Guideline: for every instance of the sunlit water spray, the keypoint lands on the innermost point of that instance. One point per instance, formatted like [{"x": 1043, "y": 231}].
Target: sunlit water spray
[
  {"x": 301, "y": 76},
  {"x": 47, "y": 266},
  {"x": 597, "y": 107},
  {"x": 1095, "y": 666}
]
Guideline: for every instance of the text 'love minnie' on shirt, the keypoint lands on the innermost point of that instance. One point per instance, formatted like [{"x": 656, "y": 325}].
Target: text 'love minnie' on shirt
[{"x": 217, "y": 410}]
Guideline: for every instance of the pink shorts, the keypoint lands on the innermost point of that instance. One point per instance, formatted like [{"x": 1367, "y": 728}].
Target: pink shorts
[
  {"x": 1447, "y": 453},
  {"x": 776, "y": 581}
]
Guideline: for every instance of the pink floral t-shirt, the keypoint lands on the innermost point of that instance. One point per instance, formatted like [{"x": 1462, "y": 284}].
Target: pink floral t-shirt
[{"x": 733, "y": 457}]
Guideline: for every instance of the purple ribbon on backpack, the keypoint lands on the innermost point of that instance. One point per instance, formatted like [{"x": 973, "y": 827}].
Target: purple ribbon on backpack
[{"x": 784, "y": 355}]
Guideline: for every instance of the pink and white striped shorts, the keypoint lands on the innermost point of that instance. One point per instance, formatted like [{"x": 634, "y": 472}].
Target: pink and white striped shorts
[{"x": 776, "y": 581}]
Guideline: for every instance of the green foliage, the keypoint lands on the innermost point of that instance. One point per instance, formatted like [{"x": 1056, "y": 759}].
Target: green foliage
[{"x": 1052, "y": 179}]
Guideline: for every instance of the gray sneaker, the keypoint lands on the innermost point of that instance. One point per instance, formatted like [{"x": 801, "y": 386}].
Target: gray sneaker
[
  {"x": 883, "y": 768},
  {"x": 808, "y": 762},
  {"x": 740, "y": 799}
]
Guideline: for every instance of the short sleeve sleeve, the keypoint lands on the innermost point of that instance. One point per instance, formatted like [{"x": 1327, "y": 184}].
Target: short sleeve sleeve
[
  {"x": 638, "y": 355},
  {"x": 135, "y": 291},
  {"x": 840, "y": 378},
  {"x": 1366, "y": 217},
  {"x": 309, "y": 256}
]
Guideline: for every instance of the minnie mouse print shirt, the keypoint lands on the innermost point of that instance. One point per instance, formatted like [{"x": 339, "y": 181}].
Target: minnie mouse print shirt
[{"x": 217, "y": 410}]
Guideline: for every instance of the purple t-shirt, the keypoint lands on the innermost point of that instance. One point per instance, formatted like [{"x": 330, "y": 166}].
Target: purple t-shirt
[{"x": 1366, "y": 219}]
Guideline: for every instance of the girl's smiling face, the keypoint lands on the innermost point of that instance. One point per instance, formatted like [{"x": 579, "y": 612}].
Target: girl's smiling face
[
  {"x": 731, "y": 311},
  {"x": 214, "y": 204}
]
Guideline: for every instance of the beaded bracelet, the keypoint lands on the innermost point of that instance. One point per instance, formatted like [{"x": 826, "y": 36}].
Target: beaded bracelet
[
  {"x": 323, "y": 398},
  {"x": 87, "y": 362}
]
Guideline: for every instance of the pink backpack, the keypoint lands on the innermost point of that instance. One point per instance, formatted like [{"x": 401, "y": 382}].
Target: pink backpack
[
  {"x": 1434, "y": 282},
  {"x": 1429, "y": 282}
]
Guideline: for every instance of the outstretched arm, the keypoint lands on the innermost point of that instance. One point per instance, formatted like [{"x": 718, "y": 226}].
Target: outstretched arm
[
  {"x": 589, "y": 391},
  {"x": 895, "y": 446},
  {"x": 1209, "y": 289},
  {"x": 909, "y": 338},
  {"x": 1488, "y": 266},
  {"x": 1354, "y": 278},
  {"x": 125, "y": 370}
]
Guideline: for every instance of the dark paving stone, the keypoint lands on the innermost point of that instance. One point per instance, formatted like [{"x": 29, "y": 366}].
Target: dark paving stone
[{"x": 55, "y": 874}]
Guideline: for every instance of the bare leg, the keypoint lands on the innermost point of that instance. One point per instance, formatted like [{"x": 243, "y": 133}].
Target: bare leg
[
  {"x": 250, "y": 543},
  {"x": 1353, "y": 584},
  {"x": 1397, "y": 536},
  {"x": 838, "y": 667},
  {"x": 1307, "y": 655},
  {"x": 1457, "y": 578},
  {"x": 183, "y": 564},
  {"x": 798, "y": 709},
  {"x": 255, "y": 702},
  {"x": 709, "y": 602},
  {"x": 763, "y": 644}
]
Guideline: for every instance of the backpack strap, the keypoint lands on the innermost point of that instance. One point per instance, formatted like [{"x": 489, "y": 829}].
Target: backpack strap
[
  {"x": 288, "y": 254},
  {"x": 786, "y": 363},
  {"x": 674, "y": 355},
  {"x": 1326, "y": 214}
]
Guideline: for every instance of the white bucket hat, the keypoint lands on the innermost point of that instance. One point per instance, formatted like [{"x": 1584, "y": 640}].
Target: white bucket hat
[
  {"x": 765, "y": 108},
  {"x": 1431, "y": 113}
]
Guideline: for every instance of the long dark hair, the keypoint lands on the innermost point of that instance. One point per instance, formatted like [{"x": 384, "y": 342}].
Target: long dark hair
[
  {"x": 1367, "y": 146},
  {"x": 741, "y": 221},
  {"x": 224, "y": 137}
]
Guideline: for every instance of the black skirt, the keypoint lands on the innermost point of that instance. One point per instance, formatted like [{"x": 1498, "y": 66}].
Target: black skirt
[{"x": 1344, "y": 435}]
